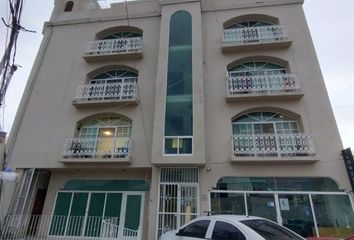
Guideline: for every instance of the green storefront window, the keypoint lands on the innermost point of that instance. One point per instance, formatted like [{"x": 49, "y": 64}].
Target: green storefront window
[
  {"x": 77, "y": 214},
  {"x": 334, "y": 214},
  {"x": 278, "y": 184},
  {"x": 61, "y": 212},
  {"x": 132, "y": 215},
  {"x": 113, "y": 206},
  {"x": 81, "y": 208},
  {"x": 94, "y": 215}
]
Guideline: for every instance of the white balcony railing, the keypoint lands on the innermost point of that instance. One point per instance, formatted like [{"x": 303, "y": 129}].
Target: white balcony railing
[
  {"x": 115, "y": 46},
  {"x": 271, "y": 33},
  {"x": 46, "y": 227},
  {"x": 124, "y": 90},
  {"x": 111, "y": 230},
  {"x": 261, "y": 84},
  {"x": 115, "y": 147},
  {"x": 273, "y": 145}
]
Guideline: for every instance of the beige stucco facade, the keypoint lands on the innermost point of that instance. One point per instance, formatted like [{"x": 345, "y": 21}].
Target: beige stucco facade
[{"x": 47, "y": 115}]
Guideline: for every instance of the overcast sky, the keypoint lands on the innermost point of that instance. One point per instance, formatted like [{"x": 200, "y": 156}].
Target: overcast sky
[{"x": 330, "y": 22}]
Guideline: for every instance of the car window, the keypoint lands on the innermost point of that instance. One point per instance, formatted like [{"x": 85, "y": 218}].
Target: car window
[
  {"x": 196, "y": 229},
  {"x": 226, "y": 231},
  {"x": 270, "y": 231}
]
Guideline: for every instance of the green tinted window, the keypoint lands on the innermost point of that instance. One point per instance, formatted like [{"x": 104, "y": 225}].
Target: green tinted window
[
  {"x": 113, "y": 205},
  {"x": 278, "y": 184},
  {"x": 132, "y": 215},
  {"x": 77, "y": 214},
  {"x": 94, "y": 215},
  {"x": 60, "y": 215},
  {"x": 179, "y": 104}
]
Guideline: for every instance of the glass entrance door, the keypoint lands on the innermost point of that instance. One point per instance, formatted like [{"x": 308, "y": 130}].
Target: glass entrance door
[
  {"x": 296, "y": 214},
  {"x": 262, "y": 205}
]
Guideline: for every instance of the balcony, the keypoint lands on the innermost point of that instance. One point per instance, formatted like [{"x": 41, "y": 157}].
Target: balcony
[
  {"x": 273, "y": 148},
  {"x": 45, "y": 227},
  {"x": 122, "y": 92},
  {"x": 255, "y": 38},
  {"x": 97, "y": 150},
  {"x": 269, "y": 86},
  {"x": 114, "y": 49}
]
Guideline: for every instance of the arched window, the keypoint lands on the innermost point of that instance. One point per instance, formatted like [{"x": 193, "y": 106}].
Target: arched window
[
  {"x": 108, "y": 136},
  {"x": 254, "y": 28},
  {"x": 115, "y": 41},
  {"x": 111, "y": 84},
  {"x": 69, "y": 6},
  {"x": 260, "y": 123},
  {"x": 256, "y": 68},
  {"x": 115, "y": 76},
  {"x": 249, "y": 24},
  {"x": 118, "y": 35},
  {"x": 106, "y": 127},
  {"x": 119, "y": 32},
  {"x": 102, "y": 137},
  {"x": 269, "y": 134},
  {"x": 264, "y": 76}
]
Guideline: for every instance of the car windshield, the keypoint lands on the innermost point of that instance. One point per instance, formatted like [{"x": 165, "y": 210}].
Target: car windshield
[{"x": 269, "y": 230}]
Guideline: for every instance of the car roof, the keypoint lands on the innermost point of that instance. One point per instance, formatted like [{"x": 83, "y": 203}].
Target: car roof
[{"x": 231, "y": 217}]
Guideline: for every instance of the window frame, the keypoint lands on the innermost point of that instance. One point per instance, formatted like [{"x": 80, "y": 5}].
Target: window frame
[
  {"x": 228, "y": 223},
  {"x": 277, "y": 130},
  {"x": 181, "y": 232},
  {"x": 122, "y": 218}
]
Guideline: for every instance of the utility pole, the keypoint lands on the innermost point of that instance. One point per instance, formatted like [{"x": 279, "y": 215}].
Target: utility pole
[{"x": 7, "y": 67}]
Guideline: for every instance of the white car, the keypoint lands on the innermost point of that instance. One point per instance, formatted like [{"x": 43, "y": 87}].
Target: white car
[{"x": 231, "y": 227}]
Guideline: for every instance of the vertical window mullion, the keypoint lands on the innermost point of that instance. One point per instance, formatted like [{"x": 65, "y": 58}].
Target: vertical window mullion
[
  {"x": 69, "y": 213},
  {"x": 86, "y": 213}
]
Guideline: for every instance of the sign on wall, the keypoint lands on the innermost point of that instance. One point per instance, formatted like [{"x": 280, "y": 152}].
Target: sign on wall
[{"x": 349, "y": 164}]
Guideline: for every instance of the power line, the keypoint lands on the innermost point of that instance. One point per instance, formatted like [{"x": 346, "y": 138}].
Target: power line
[
  {"x": 7, "y": 64},
  {"x": 349, "y": 106}
]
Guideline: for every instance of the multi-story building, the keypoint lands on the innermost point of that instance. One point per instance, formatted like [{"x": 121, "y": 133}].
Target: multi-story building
[{"x": 140, "y": 116}]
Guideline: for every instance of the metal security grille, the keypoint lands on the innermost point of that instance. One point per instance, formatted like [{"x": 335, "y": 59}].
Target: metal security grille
[
  {"x": 19, "y": 204},
  {"x": 178, "y": 198},
  {"x": 179, "y": 175}
]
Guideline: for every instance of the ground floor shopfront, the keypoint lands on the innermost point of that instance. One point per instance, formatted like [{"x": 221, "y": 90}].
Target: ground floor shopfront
[
  {"x": 308, "y": 206},
  {"x": 142, "y": 204}
]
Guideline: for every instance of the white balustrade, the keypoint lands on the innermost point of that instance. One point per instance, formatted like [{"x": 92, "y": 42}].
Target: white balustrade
[
  {"x": 115, "y": 147},
  {"x": 261, "y": 84},
  {"x": 112, "y": 230},
  {"x": 115, "y": 46},
  {"x": 124, "y": 90},
  {"x": 43, "y": 227},
  {"x": 269, "y": 33},
  {"x": 273, "y": 145}
]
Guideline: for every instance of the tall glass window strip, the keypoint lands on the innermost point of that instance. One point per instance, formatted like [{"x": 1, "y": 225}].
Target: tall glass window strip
[{"x": 179, "y": 104}]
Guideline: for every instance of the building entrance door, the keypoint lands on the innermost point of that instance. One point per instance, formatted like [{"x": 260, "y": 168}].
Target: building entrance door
[{"x": 296, "y": 213}]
